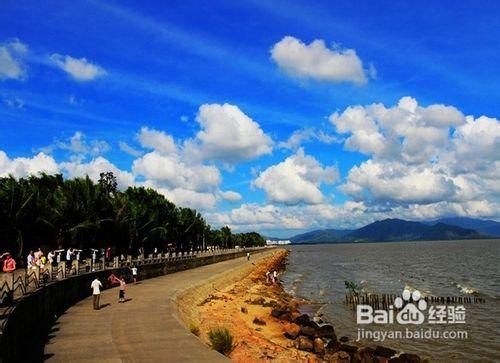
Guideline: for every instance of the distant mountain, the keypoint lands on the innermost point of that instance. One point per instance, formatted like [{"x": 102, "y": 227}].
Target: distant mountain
[
  {"x": 391, "y": 230},
  {"x": 321, "y": 236},
  {"x": 401, "y": 230},
  {"x": 487, "y": 227}
]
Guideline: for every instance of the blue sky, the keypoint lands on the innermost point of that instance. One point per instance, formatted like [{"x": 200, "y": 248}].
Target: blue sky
[{"x": 99, "y": 72}]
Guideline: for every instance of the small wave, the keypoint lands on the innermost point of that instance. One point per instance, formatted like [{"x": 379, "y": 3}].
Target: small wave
[{"x": 466, "y": 289}]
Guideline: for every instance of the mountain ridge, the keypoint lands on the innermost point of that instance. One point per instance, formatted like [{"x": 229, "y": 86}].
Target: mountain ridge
[{"x": 393, "y": 229}]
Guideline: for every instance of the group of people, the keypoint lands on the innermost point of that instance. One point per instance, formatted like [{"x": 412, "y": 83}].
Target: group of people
[
  {"x": 96, "y": 286},
  {"x": 38, "y": 259},
  {"x": 272, "y": 277}
]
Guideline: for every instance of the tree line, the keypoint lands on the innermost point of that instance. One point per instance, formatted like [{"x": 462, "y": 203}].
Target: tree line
[{"x": 51, "y": 211}]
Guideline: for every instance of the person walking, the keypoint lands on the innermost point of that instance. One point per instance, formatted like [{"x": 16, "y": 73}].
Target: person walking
[
  {"x": 50, "y": 257},
  {"x": 275, "y": 276},
  {"x": 134, "y": 274},
  {"x": 248, "y": 256},
  {"x": 96, "y": 292},
  {"x": 30, "y": 260}
]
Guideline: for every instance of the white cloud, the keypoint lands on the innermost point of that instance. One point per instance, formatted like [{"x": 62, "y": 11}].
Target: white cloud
[
  {"x": 78, "y": 146},
  {"x": 256, "y": 217},
  {"x": 170, "y": 171},
  {"x": 298, "y": 137},
  {"x": 11, "y": 63},
  {"x": 157, "y": 140},
  {"x": 230, "y": 196},
  {"x": 408, "y": 131},
  {"x": 80, "y": 69},
  {"x": 422, "y": 156},
  {"x": 126, "y": 148},
  {"x": 317, "y": 61},
  {"x": 297, "y": 179},
  {"x": 396, "y": 182},
  {"x": 186, "y": 197},
  {"x": 22, "y": 167},
  {"x": 94, "y": 168},
  {"x": 227, "y": 135}
]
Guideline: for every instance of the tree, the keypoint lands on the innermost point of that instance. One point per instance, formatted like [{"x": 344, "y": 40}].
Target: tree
[{"x": 50, "y": 211}]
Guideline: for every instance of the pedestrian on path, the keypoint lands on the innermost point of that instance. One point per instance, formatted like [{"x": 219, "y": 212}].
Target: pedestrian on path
[
  {"x": 248, "y": 256},
  {"x": 96, "y": 292},
  {"x": 123, "y": 285},
  {"x": 134, "y": 274}
]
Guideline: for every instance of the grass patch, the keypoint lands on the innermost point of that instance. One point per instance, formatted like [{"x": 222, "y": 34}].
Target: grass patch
[
  {"x": 193, "y": 328},
  {"x": 221, "y": 340}
]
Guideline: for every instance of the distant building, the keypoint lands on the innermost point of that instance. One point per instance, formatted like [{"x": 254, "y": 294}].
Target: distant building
[{"x": 278, "y": 242}]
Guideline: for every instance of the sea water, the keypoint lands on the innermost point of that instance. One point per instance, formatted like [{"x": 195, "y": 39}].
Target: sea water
[{"x": 469, "y": 268}]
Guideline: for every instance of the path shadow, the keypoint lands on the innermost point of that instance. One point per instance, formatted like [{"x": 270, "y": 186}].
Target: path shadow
[
  {"x": 127, "y": 300},
  {"x": 47, "y": 356},
  {"x": 103, "y": 306}
]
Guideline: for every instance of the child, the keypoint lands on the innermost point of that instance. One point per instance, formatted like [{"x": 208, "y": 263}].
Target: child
[{"x": 123, "y": 285}]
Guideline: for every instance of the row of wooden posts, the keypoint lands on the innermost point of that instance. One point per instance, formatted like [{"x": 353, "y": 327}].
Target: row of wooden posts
[{"x": 384, "y": 301}]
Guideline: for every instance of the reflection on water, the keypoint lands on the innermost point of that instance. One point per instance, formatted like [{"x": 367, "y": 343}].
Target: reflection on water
[{"x": 444, "y": 268}]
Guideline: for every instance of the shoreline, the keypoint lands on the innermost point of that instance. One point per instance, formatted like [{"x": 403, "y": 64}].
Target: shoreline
[{"x": 266, "y": 322}]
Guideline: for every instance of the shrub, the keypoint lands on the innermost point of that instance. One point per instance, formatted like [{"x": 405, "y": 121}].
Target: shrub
[
  {"x": 193, "y": 328},
  {"x": 221, "y": 340}
]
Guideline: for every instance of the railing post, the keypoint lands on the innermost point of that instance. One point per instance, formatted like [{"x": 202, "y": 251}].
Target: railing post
[
  {"x": 63, "y": 269},
  {"x": 77, "y": 267},
  {"x": 49, "y": 270}
]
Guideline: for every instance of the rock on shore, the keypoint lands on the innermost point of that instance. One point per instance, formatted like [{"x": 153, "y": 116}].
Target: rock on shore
[{"x": 266, "y": 324}]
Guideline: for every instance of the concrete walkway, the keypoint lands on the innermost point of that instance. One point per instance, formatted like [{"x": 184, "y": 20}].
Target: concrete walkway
[{"x": 145, "y": 328}]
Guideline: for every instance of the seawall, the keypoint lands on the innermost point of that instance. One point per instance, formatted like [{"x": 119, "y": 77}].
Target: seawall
[{"x": 26, "y": 327}]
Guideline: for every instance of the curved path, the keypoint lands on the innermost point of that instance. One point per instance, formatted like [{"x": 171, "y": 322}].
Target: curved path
[{"x": 145, "y": 328}]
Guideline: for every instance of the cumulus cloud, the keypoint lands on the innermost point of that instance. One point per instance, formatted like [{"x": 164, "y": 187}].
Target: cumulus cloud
[
  {"x": 227, "y": 135},
  {"x": 407, "y": 130},
  {"x": 317, "y": 61},
  {"x": 397, "y": 182},
  {"x": 256, "y": 217},
  {"x": 422, "y": 156},
  {"x": 170, "y": 171},
  {"x": 157, "y": 140},
  {"x": 94, "y": 168},
  {"x": 296, "y": 179},
  {"x": 22, "y": 167},
  {"x": 78, "y": 68},
  {"x": 11, "y": 62},
  {"x": 186, "y": 197}
]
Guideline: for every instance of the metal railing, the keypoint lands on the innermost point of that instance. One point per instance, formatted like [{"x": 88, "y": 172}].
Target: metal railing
[{"x": 21, "y": 282}]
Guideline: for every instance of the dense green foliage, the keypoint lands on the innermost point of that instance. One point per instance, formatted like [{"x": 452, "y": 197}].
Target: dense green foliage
[
  {"x": 221, "y": 340},
  {"x": 51, "y": 211}
]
